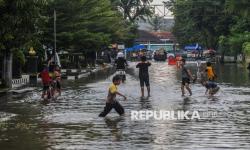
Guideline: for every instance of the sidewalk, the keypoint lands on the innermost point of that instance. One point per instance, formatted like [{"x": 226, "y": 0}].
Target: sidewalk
[
  {"x": 74, "y": 74},
  {"x": 4, "y": 90},
  {"x": 21, "y": 85}
]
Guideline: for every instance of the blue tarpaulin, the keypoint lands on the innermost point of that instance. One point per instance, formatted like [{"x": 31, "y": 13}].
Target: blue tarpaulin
[
  {"x": 193, "y": 47},
  {"x": 135, "y": 48},
  {"x": 138, "y": 47},
  {"x": 129, "y": 49}
]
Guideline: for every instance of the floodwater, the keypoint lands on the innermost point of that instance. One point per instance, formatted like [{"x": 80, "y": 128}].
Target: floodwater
[{"x": 72, "y": 122}]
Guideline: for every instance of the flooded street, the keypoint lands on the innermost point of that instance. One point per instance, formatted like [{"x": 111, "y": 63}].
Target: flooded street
[{"x": 72, "y": 122}]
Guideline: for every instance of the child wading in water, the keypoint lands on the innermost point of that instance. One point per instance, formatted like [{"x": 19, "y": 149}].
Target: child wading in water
[
  {"x": 58, "y": 79},
  {"x": 211, "y": 87},
  {"x": 186, "y": 76},
  {"x": 143, "y": 75},
  {"x": 111, "y": 99},
  {"x": 210, "y": 72},
  {"x": 46, "y": 80}
]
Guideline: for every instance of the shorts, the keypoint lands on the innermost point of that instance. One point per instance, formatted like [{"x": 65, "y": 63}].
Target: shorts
[
  {"x": 185, "y": 81},
  {"x": 58, "y": 85},
  {"x": 215, "y": 90},
  {"x": 54, "y": 84},
  {"x": 45, "y": 88},
  {"x": 144, "y": 80}
]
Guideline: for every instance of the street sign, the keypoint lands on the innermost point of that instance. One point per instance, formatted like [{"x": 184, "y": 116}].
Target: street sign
[{"x": 121, "y": 46}]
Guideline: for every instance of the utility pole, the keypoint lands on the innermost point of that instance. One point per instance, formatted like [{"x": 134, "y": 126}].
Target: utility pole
[{"x": 54, "y": 51}]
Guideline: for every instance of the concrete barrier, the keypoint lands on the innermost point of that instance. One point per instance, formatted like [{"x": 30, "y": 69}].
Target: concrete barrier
[{"x": 229, "y": 59}]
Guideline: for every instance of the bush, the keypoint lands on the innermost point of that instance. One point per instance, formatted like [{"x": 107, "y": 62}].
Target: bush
[
  {"x": 19, "y": 57},
  {"x": 246, "y": 48}
]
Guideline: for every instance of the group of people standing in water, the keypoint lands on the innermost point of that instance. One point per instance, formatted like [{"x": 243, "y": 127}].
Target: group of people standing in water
[
  {"x": 207, "y": 78},
  {"x": 187, "y": 77},
  {"x": 51, "y": 80}
]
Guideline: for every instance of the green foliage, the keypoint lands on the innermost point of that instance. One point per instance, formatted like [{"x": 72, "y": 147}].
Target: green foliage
[
  {"x": 239, "y": 34},
  {"x": 224, "y": 45},
  {"x": 246, "y": 48},
  {"x": 239, "y": 7},
  {"x": 200, "y": 21},
  {"x": 218, "y": 24},
  {"x": 81, "y": 24},
  {"x": 84, "y": 25},
  {"x": 18, "y": 22},
  {"x": 19, "y": 57},
  {"x": 134, "y": 9}
]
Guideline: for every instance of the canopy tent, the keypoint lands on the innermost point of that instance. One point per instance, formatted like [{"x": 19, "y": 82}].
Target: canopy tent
[
  {"x": 135, "y": 48},
  {"x": 193, "y": 47}
]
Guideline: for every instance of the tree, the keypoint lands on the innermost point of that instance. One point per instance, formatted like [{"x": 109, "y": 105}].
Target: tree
[
  {"x": 18, "y": 26},
  {"x": 156, "y": 22},
  {"x": 240, "y": 7},
  {"x": 240, "y": 29},
  {"x": 200, "y": 21},
  {"x": 246, "y": 48},
  {"x": 134, "y": 9},
  {"x": 84, "y": 25},
  {"x": 218, "y": 24}
]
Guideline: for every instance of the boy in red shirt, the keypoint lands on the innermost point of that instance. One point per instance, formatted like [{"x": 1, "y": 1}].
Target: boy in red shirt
[{"x": 46, "y": 80}]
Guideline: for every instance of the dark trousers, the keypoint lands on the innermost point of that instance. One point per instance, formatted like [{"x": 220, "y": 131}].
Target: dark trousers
[{"x": 116, "y": 105}]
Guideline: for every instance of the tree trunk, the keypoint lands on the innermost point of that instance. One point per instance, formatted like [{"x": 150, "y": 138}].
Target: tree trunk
[
  {"x": 7, "y": 69},
  {"x": 222, "y": 57}
]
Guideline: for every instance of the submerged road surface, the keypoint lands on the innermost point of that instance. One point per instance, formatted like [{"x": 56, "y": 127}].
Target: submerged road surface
[{"x": 72, "y": 122}]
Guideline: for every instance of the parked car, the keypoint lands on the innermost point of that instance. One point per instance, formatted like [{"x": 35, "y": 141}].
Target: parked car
[
  {"x": 179, "y": 53},
  {"x": 149, "y": 54},
  {"x": 160, "y": 55}
]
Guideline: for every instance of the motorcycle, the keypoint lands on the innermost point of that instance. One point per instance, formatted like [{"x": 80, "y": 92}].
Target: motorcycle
[{"x": 122, "y": 74}]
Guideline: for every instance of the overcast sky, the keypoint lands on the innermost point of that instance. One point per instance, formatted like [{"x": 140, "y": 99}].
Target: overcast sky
[
  {"x": 157, "y": 1},
  {"x": 159, "y": 10}
]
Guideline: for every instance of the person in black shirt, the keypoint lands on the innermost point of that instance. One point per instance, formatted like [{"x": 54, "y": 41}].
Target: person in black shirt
[{"x": 143, "y": 75}]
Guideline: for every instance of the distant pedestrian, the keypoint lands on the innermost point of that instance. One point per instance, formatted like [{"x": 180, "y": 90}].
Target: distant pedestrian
[
  {"x": 111, "y": 101},
  {"x": 144, "y": 75}
]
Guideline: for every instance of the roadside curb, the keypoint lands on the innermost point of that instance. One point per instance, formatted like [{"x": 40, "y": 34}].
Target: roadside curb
[{"x": 75, "y": 74}]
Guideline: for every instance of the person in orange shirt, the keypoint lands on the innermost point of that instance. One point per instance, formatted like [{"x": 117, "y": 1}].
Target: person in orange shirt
[{"x": 210, "y": 72}]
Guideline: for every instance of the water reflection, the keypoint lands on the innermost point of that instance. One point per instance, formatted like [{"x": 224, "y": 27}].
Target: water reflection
[
  {"x": 112, "y": 124},
  {"x": 145, "y": 103}
]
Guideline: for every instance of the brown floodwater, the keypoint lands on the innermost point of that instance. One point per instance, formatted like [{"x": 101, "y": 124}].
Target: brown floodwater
[{"x": 72, "y": 122}]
